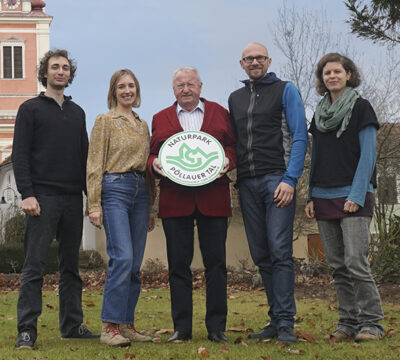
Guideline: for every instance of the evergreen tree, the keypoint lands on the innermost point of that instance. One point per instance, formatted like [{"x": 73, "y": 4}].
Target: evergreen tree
[{"x": 379, "y": 20}]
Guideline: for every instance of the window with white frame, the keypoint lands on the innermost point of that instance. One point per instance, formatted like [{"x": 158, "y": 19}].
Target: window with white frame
[{"x": 12, "y": 59}]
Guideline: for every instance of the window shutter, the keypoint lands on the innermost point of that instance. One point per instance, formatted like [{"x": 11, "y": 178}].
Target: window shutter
[
  {"x": 18, "y": 62},
  {"x": 7, "y": 62}
]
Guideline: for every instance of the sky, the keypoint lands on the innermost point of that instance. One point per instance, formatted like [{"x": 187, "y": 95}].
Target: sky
[{"x": 155, "y": 37}]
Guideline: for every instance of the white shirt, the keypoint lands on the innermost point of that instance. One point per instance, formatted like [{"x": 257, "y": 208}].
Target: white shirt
[{"x": 191, "y": 120}]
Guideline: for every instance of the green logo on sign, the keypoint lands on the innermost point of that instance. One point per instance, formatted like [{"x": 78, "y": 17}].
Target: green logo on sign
[{"x": 191, "y": 160}]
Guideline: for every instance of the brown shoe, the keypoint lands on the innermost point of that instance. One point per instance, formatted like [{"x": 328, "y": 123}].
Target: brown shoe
[
  {"x": 129, "y": 331},
  {"x": 366, "y": 335},
  {"x": 338, "y": 336},
  {"x": 111, "y": 335}
]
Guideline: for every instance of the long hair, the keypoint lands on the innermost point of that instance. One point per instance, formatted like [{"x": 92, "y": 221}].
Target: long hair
[{"x": 112, "y": 97}]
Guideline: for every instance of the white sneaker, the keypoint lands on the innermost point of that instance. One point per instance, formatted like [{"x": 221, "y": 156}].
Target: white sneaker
[
  {"x": 129, "y": 331},
  {"x": 111, "y": 335}
]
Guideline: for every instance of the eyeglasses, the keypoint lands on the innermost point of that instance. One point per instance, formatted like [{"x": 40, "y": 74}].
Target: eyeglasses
[
  {"x": 190, "y": 86},
  {"x": 260, "y": 59}
]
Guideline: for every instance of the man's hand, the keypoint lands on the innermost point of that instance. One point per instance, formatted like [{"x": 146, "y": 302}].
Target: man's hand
[
  {"x": 152, "y": 222},
  {"x": 30, "y": 206},
  {"x": 283, "y": 195},
  {"x": 225, "y": 168},
  {"x": 350, "y": 207},
  {"x": 310, "y": 213},
  {"x": 157, "y": 167},
  {"x": 96, "y": 218}
]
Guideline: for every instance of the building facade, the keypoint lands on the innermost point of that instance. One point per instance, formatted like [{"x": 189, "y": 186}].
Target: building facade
[{"x": 24, "y": 38}]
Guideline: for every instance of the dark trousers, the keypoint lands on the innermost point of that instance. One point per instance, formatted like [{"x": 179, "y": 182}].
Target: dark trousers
[
  {"x": 179, "y": 233},
  {"x": 61, "y": 217}
]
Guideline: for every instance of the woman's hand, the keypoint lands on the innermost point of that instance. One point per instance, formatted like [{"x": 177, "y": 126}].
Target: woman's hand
[
  {"x": 310, "y": 213},
  {"x": 96, "y": 218},
  {"x": 151, "y": 223},
  {"x": 350, "y": 207}
]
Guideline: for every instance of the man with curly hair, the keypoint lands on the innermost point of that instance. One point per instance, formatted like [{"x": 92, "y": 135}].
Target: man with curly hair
[{"x": 49, "y": 159}]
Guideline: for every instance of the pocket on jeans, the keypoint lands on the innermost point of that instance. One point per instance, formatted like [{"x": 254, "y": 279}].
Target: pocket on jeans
[{"x": 111, "y": 178}]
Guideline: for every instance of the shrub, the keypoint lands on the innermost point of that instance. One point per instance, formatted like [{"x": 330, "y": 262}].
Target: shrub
[
  {"x": 14, "y": 229},
  {"x": 13, "y": 258},
  {"x": 90, "y": 260},
  {"x": 385, "y": 252}
]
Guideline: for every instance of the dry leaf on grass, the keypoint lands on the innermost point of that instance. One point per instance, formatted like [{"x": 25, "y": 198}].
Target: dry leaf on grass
[
  {"x": 236, "y": 329},
  {"x": 391, "y": 332},
  {"x": 129, "y": 356},
  {"x": 240, "y": 340},
  {"x": 309, "y": 337},
  {"x": 90, "y": 304},
  {"x": 224, "y": 348},
  {"x": 203, "y": 353},
  {"x": 295, "y": 352},
  {"x": 266, "y": 357},
  {"x": 164, "y": 331}
]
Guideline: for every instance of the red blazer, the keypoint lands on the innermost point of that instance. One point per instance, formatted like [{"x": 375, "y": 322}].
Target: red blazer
[{"x": 212, "y": 199}]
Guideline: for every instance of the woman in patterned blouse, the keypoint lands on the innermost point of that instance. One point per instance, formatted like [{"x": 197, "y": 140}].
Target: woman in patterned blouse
[{"x": 119, "y": 195}]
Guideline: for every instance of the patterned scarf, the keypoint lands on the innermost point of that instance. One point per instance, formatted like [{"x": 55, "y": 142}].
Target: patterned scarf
[{"x": 329, "y": 116}]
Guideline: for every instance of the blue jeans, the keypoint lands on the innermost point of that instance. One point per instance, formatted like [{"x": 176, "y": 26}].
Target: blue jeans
[
  {"x": 345, "y": 243},
  {"x": 125, "y": 215},
  {"x": 269, "y": 232}
]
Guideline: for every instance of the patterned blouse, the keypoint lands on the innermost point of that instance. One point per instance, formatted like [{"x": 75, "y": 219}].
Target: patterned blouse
[{"x": 116, "y": 146}]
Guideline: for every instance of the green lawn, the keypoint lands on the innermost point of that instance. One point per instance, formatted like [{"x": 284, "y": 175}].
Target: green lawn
[{"x": 247, "y": 310}]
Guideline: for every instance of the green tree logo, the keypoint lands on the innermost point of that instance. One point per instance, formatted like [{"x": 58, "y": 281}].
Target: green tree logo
[{"x": 191, "y": 160}]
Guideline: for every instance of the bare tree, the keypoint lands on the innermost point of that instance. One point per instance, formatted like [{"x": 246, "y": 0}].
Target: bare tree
[{"x": 303, "y": 37}]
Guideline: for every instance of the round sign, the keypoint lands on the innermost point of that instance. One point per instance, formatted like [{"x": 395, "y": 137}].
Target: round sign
[{"x": 192, "y": 158}]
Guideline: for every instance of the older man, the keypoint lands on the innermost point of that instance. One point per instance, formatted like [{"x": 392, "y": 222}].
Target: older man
[
  {"x": 270, "y": 126},
  {"x": 180, "y": 206}
]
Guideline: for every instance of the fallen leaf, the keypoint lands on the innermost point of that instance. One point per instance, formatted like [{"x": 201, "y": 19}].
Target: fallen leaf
[
  {"x": 267, "y": 340},
  {"x": 164, "y": 331},
  {"x": 156, "y": 340},
  {"x": 236, "y": 329},
  {"x": 90, "y": 304},
  {"x": 203, "y": 353},
  {"x": 240, "y": 340},
  {"x": 307, "y": 336},
  {"x": 224, "y": 348},
  {"x": 266, "y": 357},
  {"x": 50, "y": 306},
  {"x": 74, "y": 349},
  {"x": 129, "y": 356},
  {"x": 295, "y": 352},
  {"x": 391, "y": 332}
]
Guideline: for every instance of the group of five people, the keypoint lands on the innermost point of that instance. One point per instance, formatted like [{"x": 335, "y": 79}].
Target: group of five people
[{"x": 264, "y": 136}]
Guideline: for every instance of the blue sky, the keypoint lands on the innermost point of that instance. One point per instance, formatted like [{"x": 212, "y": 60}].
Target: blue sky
[{"x": 154, "y": 37}]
